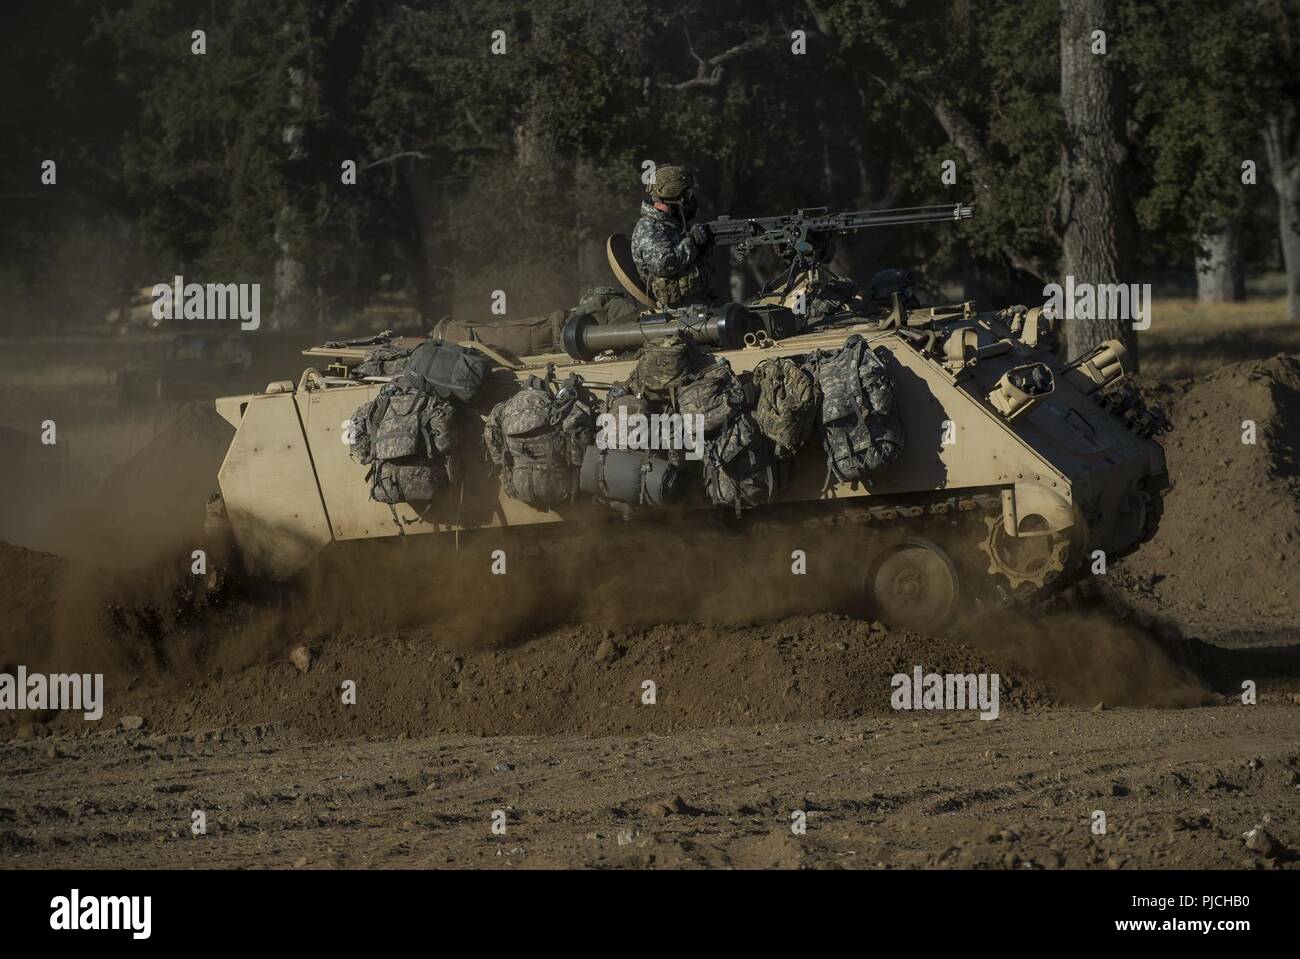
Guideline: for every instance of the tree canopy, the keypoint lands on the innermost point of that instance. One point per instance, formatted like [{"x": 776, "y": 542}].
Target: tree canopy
[{"x": 496, "y": 143}]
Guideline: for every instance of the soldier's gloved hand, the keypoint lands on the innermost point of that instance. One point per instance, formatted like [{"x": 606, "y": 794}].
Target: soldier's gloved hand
[{"x": 701, "y": 234}]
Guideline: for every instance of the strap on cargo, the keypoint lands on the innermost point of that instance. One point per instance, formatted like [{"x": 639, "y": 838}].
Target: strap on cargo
[
  {"x": 492, "y": 354},
  {"x": 374, "y": 339}
]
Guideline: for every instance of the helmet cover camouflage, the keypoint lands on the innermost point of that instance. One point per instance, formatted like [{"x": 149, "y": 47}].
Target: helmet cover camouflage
[{"x": 671, "y": 183}]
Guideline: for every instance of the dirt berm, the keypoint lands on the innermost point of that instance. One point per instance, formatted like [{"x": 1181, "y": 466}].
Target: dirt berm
[
  {"x": 1226, "y": 556},
  {"x": 474, "y": 697}
]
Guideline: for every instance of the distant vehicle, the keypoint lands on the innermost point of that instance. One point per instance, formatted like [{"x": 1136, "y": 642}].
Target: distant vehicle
[{"x": 137, "y": 314}]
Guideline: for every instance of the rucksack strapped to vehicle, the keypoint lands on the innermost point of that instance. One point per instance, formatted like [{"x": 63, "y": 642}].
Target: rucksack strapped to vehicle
[
  {"x": 608, "y": 305},
  {"x": 525, "y": 336},
  {"x": 446, "y": 370},
  {"x": 860, "y": 427},
  {"x": 408, "y": 438},
  {"x": 536, "y": 440},
  {"x": 738, "y": 466},
  {"x": 787, "y": 405},
  {"x": 714, "y": 393},
  {"x": 382, "y": 361},
  {"x": 620, "y": 398},
  {"x": 665, "y": 362},
  {"x": 737, "y": 456}
]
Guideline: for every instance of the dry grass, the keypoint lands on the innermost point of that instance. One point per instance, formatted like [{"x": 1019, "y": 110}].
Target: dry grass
[{"x": 1188, "y": 338}]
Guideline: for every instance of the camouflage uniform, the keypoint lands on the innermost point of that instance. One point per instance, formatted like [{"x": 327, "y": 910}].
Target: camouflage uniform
[{"x": 666, "y": 255}]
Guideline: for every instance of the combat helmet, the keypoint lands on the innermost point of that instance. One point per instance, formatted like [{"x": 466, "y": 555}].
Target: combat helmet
[
  {"x": 675, "y": 186},
  {"x": 671, "y": 183}
]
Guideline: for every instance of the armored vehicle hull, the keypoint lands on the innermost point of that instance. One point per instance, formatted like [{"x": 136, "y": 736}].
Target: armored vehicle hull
[{"x": 1024, "y": 486}]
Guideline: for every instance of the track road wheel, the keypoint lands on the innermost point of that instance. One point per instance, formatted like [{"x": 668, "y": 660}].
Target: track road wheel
[{"x": 913, "y": 585}]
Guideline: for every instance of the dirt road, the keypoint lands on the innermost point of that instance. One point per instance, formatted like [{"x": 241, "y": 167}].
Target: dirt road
[{"x": 1177, "y": 788}]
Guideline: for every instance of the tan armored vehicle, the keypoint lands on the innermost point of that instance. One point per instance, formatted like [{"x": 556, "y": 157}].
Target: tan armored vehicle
[{"x": 1012, "y": 469}]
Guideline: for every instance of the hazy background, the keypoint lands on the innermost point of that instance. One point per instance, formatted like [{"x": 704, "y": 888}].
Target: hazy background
[{"x": 479, "y": 171}]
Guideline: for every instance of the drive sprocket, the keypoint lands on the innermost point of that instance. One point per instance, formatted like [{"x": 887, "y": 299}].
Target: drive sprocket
[{"x": 1027, "y": 563}]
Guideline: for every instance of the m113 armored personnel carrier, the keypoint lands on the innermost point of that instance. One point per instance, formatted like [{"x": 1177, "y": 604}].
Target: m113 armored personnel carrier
[{"x": 973, "y": 461}]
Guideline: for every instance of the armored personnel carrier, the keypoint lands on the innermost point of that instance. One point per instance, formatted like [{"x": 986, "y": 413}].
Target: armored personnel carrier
[{"x": 963, "y": 455}]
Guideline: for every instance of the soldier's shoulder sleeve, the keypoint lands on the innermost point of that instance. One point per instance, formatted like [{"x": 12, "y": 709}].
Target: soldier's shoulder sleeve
[
  {"x": 657, "y": 249},
  {"x": 640, "y": 240}
]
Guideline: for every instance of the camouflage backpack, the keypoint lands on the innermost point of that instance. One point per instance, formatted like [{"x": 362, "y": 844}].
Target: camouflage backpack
[
  {"x": 714, "y": 393},
  {"x": 738, "y": 466},
  {"x": 664, "y": 362},
  {"x": 859, "y": 422},
  {"x": 536, "y": 440},
  {"x": 620, "y": 398},
  {"x": 408, "y": 439},
  {"x": 787, "y": 405},
  {"x": 608, "y": 305},
  {"x": 382, "y": 361},
  {"x": 737, "y": 456}
]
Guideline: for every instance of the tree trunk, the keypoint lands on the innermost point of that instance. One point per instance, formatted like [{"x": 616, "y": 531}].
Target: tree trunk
[
  {"x": 431, "y": 243},
  {"x": 592, "y": 268},
  {"x": 1219, "y": 275},
  {"x": 290, "y": 273},
  {"x": 1283, "y": 152},
  {"x": 1096, "y": 217},
  {"x": 547, "y": 175},
  {"x": 291, "y": 302}
]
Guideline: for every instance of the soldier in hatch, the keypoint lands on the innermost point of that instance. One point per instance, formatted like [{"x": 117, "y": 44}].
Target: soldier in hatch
[{"x": 667, "y": 251}]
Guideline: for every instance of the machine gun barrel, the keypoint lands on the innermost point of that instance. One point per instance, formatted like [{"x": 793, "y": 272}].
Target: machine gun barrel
[{"x": 798, "y": 227}]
